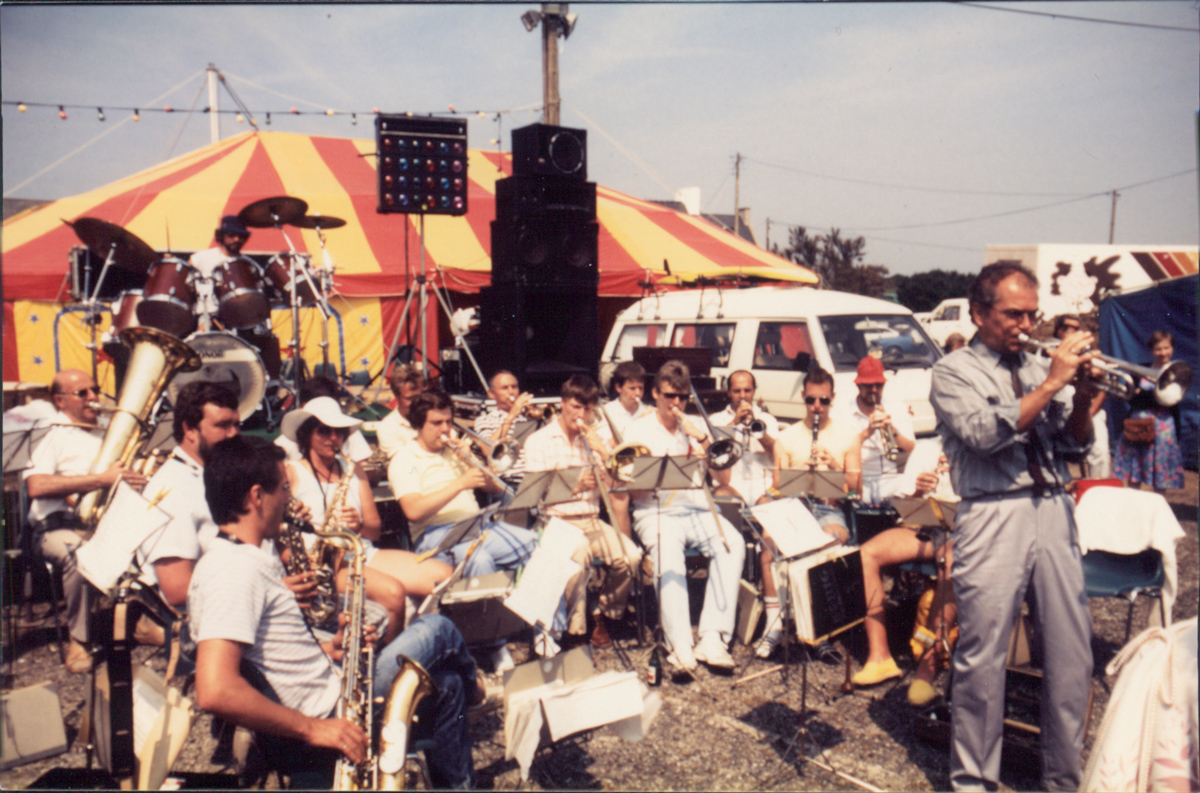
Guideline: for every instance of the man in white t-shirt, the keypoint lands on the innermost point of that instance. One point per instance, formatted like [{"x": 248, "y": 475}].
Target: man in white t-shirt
[
  {"x": 873, "y": 418},
  {"x": 669, "y": 521},
  {"x": 258, "y": 665},
  {"x": 205, "y": 414},
  {"x": 58, "y": 473},
  {"x": 395, "y": 430},
  {"x": 629, "y": 382},
  {"x": 751, "y": 475}
]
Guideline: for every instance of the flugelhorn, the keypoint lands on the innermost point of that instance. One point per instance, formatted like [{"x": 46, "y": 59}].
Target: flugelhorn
[
  {"x": 156, "y": 357},
  {"x": 1119, "y": 378}
]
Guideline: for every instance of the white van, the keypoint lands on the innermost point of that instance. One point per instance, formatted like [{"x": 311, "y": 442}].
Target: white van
[{"x": 775, "y": 331}]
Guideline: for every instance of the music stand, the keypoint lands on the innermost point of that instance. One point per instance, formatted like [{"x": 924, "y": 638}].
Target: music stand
[
  {"x": 539, "y": 488},
  {"x": 926, "y": 513},
  {"x": 466, "y": 529},
  {"x": 19, "y": 446},
  {"x": 812, "y": 483}
]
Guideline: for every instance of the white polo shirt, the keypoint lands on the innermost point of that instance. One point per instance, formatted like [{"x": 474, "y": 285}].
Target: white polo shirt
[{"x": 64, "y": 451}]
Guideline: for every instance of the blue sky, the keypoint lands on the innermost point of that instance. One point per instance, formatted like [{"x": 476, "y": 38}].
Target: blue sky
[{"x": 885, "y": 120}]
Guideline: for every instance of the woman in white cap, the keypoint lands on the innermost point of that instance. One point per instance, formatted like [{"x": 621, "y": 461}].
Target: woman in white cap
[{"x": 319, "y": 429}]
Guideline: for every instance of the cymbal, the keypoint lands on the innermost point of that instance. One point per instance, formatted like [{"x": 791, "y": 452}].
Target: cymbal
[
  {"x": 319, "y": 222},
  {"x": 100, "y": 236},
  {"x": 264, "y": 214}
]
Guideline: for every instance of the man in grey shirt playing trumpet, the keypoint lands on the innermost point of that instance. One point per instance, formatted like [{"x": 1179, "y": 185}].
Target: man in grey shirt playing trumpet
[{"x": 1005, "y": 420}]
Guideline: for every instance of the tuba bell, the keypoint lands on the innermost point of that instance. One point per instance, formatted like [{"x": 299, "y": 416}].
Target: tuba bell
[{"x": 155, "y": 359}]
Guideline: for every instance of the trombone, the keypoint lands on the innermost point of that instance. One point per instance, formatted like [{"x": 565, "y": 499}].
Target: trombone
[
  {"x": 724, "y": 452},
  {"x": 604, "y": 494},
  {"x": 1117, "y": 377}
]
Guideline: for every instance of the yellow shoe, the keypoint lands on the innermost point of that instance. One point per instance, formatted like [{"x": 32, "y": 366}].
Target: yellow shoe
[
  {"x": 875, "y": 672},
  {"x": 921, "y": 693},
  {"x": 79, "y": 660}
]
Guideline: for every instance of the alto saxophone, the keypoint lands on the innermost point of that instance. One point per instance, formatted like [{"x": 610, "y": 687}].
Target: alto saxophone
[{"x": 323, "y": 603}]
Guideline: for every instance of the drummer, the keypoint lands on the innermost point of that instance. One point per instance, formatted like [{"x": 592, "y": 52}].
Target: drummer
[{"x": 231, "y": 237}]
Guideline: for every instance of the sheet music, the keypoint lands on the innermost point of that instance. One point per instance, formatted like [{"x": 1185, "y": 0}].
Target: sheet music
[
  {"x": 130, "y": 520},
  {"x": 542, "y": 583},
  {"x": 792, "y": 527}
]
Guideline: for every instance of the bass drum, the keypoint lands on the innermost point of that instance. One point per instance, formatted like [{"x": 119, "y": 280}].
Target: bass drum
[{"x": 226, "y": 359}]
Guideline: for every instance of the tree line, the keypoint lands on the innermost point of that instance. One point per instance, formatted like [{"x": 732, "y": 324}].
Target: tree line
[{"x": 839, "y": 262}]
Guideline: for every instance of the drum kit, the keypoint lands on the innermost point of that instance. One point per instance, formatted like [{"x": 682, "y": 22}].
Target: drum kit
[{"x": 213, "y": 311}]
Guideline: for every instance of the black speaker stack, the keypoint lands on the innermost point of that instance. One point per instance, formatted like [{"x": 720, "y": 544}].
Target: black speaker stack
[{"x": 539, "y": 317}]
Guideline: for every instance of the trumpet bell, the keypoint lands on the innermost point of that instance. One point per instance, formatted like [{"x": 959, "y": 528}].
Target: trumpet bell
[{"x": 1172, "y": 385}]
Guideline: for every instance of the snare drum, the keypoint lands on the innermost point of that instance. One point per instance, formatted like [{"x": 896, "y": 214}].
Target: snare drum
[
  {"x": 279, "y": 273},
  {"x": 226, "y": 359},
  {"x": 239, "y": 291},
  {"x": 169, "y": 298}
]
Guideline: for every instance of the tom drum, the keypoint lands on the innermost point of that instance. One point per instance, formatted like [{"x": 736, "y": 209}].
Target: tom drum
[
  {"x": 239, "y": 290},
  {"x": 170, "y": 295}
]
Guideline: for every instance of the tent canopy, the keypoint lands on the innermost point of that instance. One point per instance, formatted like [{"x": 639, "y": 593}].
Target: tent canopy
[{"x": 176, "y": 206}]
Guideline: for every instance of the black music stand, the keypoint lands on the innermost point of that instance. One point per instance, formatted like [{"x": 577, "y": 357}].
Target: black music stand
[
  {"x": 539, "y": 488},
  {"x": 926, "y": 513},
  {"x": 809, "y": 483},
  {"x": 466, "y": 529},
  {"x": 19, "y": 446}
]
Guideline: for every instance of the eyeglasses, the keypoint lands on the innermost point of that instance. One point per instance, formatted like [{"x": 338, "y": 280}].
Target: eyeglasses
[
  {"x": 1016, "y": 315},
  {"x": 83, "y": 392},
  {"x": 322, "y": 429},
  {"x": 810, "y": 400},
  {"x": 669, "y": 395}
]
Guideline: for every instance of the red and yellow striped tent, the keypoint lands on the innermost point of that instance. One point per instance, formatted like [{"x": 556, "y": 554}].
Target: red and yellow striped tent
[{"x": 176, "y": 206}]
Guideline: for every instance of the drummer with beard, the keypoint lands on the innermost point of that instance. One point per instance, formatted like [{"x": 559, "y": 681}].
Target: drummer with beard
[{"x": 231, "y": 236}]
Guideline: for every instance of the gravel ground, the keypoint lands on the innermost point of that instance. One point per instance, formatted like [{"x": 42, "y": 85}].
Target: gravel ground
[{"x": 709, "y": 734}]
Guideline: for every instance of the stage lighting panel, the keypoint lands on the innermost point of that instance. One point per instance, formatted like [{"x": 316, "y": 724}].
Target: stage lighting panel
[{"x": 422, "y": 165}]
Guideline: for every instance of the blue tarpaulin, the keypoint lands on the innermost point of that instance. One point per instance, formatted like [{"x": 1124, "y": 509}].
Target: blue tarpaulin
[{"x": 1126, "y": 321}]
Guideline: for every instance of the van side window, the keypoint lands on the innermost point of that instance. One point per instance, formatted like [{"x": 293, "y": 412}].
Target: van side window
[
  {"x": 779, "y": 343},
  {"x": 716, "y": 336},
  {"x": 647, "y": 335},
  {"x": 895, "y": 338},
  {"x": 949, "y": 314}
]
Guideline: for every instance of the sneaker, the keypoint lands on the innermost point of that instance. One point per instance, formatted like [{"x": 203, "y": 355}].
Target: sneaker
[
  {"x": 826, "y": 653},
  {"x": 545, "y": 646},
  {"x": 875, "y": 672},
  {"x": 489, "y": 696},
  {"x": 712, "y": 651},
  {"x": 502, "y": 660},
  {"x": 682, "y": 658},
  {"x": 767, "y": 644},
  {"x": 921, "y": 693},
  {"x": 79, "y": 660}
]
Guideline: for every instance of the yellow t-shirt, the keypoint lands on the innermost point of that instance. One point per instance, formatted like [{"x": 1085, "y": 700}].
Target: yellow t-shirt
[
  {"x": 414, "y": 470},
  {"x": 794, "y": 446}
]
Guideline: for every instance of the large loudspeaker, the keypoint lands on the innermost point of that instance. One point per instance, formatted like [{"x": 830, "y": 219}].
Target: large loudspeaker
[
  {"x": 544, "y": 150},
  {"x": 552, "y": 249},
  {"x": 544, "y": 334},
  {"x": 522, "y": 197}
]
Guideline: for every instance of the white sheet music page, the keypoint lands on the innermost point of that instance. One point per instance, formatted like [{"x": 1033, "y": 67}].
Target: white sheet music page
[
  {"x": 129, "y": 520},
  {"x": 792, "y": 527},
  {"x": 545, "y": 577}
]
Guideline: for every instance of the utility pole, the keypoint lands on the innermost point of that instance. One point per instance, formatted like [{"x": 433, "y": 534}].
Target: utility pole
[
  {"x": 1112, "y": 222},
  {"x": 555, "y": 22},
  {"x": 737, "y": 188},
  {"x": 214, "y": 116}
]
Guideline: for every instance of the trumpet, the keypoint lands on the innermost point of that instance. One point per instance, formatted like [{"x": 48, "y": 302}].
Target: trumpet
[
  {"x": 756, "y": 427},
  {"x": 724, "y": 452},
  {"x": 1119, "y": 378},
  {"x": 891, "y": 449},
  {"x": 499, "y": 456}
]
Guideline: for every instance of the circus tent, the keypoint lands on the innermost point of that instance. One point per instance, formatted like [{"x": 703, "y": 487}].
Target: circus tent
[{"x": 175, "y": 206}]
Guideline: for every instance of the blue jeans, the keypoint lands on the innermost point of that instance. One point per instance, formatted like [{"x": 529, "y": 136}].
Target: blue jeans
[
  {"x": 504, "y": 548},
  {"x": 434, "y": 643}
]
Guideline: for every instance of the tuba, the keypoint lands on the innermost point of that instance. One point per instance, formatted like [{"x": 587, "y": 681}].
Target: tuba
[{"x": 155, "y": 359}]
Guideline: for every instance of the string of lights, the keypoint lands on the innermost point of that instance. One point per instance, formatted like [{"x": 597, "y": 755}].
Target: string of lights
[
  {"x": 240, "y": 113},
  {"x": 1056, "y": 15}
]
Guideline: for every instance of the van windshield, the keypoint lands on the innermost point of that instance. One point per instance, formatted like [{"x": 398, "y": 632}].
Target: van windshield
[
  {"x": 639, "y": 335},
  {"x": 898, "y": 338}
]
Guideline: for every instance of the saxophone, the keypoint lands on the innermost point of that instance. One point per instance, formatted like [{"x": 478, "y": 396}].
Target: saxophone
[{"x": 323, "y": 603}]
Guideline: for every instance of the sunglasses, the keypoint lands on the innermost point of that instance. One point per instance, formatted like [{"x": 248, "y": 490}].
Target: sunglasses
[
  {"x": 1016, "y": 315},
  {"x": 321, "y": 429},
  {"x": 669, "y": 395},
  {"x": 83, "y": 392},
  {"x": 812, "y": 400}
]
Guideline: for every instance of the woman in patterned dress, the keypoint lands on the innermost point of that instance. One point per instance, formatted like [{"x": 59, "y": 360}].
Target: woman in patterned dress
[{"x": 1160, "y": 463}]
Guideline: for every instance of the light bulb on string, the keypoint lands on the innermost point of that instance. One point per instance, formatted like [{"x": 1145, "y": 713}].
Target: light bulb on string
[
  {"x": 100, "y": 113},
  {"x": 451, "y": 106},
  {"x": 354, "y": 119},
  {"x": 294, "y": 111},
  {"x": 268, "y": 119},
  {"x": 21, "y": 108},
  {"x": 482, "y": 114},
  {"x": 240, "y": 118},
  {"x": 330, "y": 112},
  {"x": 137, "y": 114},
  {"x": 62, "y": 113},
  {"x": 168, "y": 109}
]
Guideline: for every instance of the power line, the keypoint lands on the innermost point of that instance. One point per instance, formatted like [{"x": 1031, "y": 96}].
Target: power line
[
  {"x": 1029, "y": 209},
  {"x": 1077, "y": 19},
  {"x": 902, "y": 186}
]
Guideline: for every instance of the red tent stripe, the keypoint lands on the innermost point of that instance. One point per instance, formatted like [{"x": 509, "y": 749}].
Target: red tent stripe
[
  {"x": 258, "y": 180},
  {"x": 1168, "y": 263},
  {"x": 12, "y": 369},
  {"x": 384, "y": 233},
  {"x": 43, "y": 279}
]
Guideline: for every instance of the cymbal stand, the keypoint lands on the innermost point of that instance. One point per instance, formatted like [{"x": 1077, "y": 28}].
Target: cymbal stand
[{"x": 93, "y": 305}]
